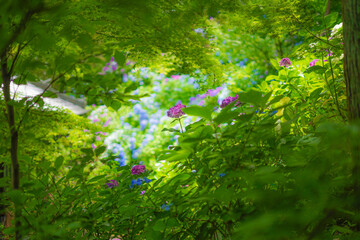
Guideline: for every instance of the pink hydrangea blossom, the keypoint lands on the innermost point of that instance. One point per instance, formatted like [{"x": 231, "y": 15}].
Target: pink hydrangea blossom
[
  {"x": 312, "y": 63},
  {"x": 107, "y": 122},
  {"x": 176, "y": 112},
  {"x": 138, "y": 169},
  {"x": 285, "y": 62},
  {"x": 229, "y": 100}
]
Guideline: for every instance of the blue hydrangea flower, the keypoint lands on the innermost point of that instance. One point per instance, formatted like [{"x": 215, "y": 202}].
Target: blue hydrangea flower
[
  {"x": 138, "y": 182},
  {"x": 146, "y": 180},
  {"x": 166, "y": 207}
]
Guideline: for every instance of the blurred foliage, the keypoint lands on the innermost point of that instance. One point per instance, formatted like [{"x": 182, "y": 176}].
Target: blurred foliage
[{"x": 278, "y": 166}]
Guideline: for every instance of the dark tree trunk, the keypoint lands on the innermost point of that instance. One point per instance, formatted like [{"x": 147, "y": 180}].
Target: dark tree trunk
[
  {"x": 351, "y": 27},
  {"x": 15, "y": 176}
]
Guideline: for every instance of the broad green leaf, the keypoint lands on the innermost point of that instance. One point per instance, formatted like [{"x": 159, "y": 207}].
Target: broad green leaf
[
  {"x": 251, "y": 96},
  {"x": 100, "y": 150},
  {"x": 58, "y": 162},
  {"x": 314, "y": 95},
  {"x": 160, "y": 225},
  {"x": 120, "y": 58},
  {"x": 176, "y": 155},
  {"x": 317, "y": 69},
  {"x": 198, "y": 111},
  {"x": 226, "y": 115},
  {"x": 94, "y": 179}
]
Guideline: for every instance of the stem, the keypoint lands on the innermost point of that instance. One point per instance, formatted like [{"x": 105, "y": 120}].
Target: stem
[
  {"x": 182, "y": 130},
  {"x": 328, "y": 85}
]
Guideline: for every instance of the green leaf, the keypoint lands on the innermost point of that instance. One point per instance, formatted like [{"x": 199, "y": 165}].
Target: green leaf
[
  {"x": 94, "y": 179},
  {"x": 173, "y": 222},
  {"x": 275, "y": 64},
  {"x": 314, "y": 95},
  {"x": 180, "y": 178},
  {"x": 226, "y": 115},
  {"x": 87, "y": 151},
  {"x": 58, "y": 162},
  {"x": 331, "y": 18},
  {"x": 100, "y": 150},
  {"x": 50, "y": 94},
  {"x": 16, "y": 196},
  {"x": 251, "y": 96},
  {"x": 198, "y": 111},
  {"x": 271, "y": 77},
  {"x": 159, "y": 225},
  {"x": 133, "y": 86},
  {"x": 170, "y": 130},
  {"x": 120, "y": 58},
  {"x": 316, "y": 69},
  {"x": 175, "y": 155},
  {"x": 275, "y": 99},
  {"x": 113, "y": 103}
]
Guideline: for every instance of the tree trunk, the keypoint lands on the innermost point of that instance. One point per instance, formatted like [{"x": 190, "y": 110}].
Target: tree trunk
[
  {"x": 15, "y": 176},
  {"x": 351, "y": 28}
]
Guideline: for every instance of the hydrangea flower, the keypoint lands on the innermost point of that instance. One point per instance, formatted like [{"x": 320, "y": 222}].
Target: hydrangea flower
[
  {"x": 139, "y": 181},
  {"x": 176, "y": 112},
  {"x": 146, "y": 180},
  {"x": 166, "y": 207},
  {"x": 112, "y": 183},
  {"x": 285, "y": 62},
  {"x": 229, "y": 100},
  {"x": 312, "y": 63},
  {"x": 136, "y": 182},
  {"x": 138, "y": 169}
]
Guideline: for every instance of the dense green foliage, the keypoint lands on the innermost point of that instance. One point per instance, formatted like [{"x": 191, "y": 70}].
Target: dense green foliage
[{"x": 276, "y": 163}]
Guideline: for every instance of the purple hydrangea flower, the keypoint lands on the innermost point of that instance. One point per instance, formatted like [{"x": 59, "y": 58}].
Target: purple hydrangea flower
[
  {"x": 229, "y": 100},
  {"x": 192, "y": 99},
  {"x": 313, "y": 62},
  {"x": 203, "y": 95},
  {"x": 112, "y": 183},
  {"x": 107, "y": 122},
  {"x": 138, "y": 169},
  {"x": 176, "y": 112},
  {"x": 285, "y": 62}
]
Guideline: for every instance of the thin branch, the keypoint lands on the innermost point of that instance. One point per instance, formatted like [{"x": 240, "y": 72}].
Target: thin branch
[{"x": 327, "y": 42}]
